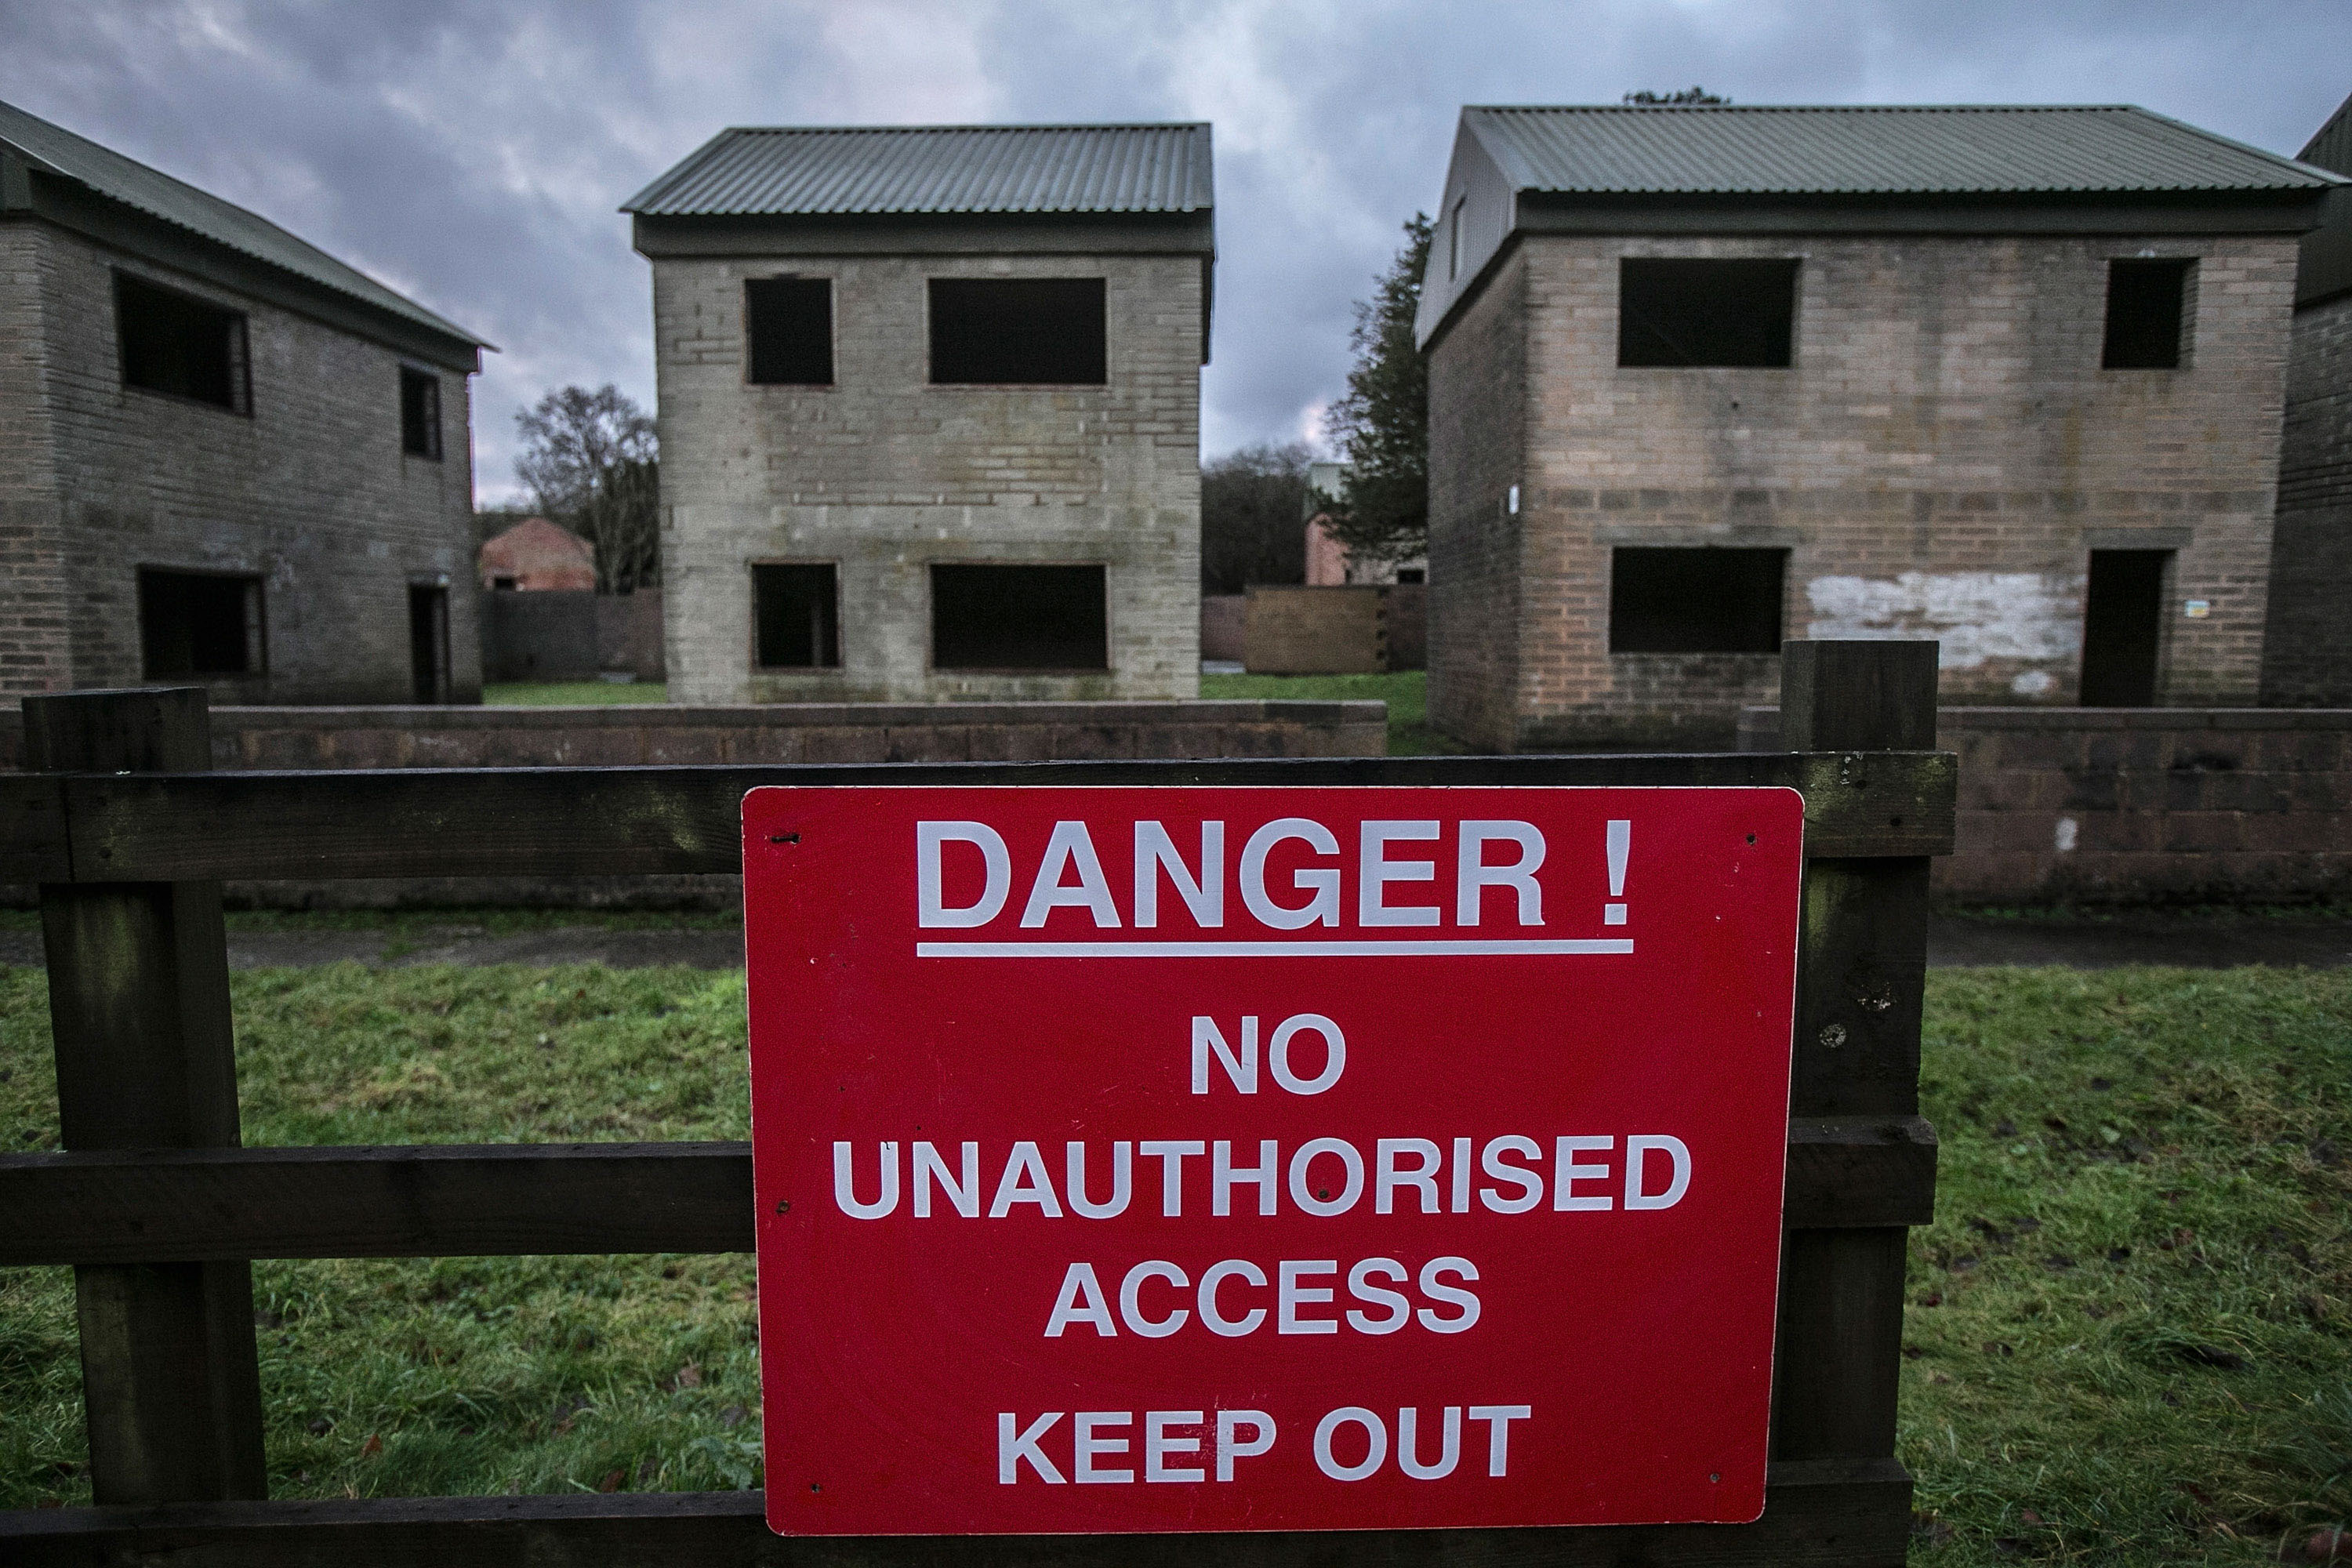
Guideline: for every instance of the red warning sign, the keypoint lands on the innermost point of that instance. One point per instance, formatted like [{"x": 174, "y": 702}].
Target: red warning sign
[{"x": 1193, "y": 1159}]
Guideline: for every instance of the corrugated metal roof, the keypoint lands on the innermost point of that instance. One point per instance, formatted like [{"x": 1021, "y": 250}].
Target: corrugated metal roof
[
  {"x": 2331, "y": 146},
  {"x": 938, "y": 169},
  {"x": 53, "y": 149},
  {"x": 1929, "y": 149}
]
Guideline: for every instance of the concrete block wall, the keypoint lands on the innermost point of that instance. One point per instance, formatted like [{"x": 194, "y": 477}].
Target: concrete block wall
[
  {"x": 311, "y": 491},
  {"x": 884, "y": 474},
  {"x": 2130, "y": 805},
  {"x": 1938, "y": 461},
  {"x": 2307, "y": 653}
]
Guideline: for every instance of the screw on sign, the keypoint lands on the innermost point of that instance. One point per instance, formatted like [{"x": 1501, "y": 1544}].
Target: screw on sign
[{"x": 1205, "y": 1159}]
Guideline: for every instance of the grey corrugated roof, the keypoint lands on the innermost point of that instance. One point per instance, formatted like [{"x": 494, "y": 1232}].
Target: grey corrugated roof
[
  {"x": 2331, "y": 146},
  {"x": 53, "y": 149},
  {"x": 1929, "y": 149},
  {"x": 938, "y": 169}
]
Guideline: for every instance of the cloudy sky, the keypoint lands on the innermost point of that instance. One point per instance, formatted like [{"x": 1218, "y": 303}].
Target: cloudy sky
[{"x": 472, "y": 154}]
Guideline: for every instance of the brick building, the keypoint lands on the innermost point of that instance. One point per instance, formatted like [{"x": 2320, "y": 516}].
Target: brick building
[
  {"x": 1702, "y": 378},
  {"x": 930, "y": 405},
  {"x": 537, "y": 556},
  {"x": 2307, "y": 658},
  {"x": 226, "y": 458}
]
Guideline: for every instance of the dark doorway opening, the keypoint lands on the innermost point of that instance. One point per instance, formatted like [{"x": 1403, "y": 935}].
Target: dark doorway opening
[
  {"x": 1695, "y": 600},
  {"x": 796, "y": 612},
  {"x": 2123, "y": 627},
  {"x": 1019, "y": 617},
  {"x": 428, "y": 642},
  {"x": 199, "y": 623}
]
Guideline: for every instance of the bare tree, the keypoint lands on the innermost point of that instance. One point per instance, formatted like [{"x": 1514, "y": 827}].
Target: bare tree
[
  {"x": 1253, "y": 517},
  {"x": 591, "y": 462}
]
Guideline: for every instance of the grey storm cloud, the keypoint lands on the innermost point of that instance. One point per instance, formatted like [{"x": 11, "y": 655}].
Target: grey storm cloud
[{"x": 472, "y": 154}]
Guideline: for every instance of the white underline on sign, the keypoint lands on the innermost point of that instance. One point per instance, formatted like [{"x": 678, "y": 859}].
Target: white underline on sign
[{"x": 1301, "y": 948}]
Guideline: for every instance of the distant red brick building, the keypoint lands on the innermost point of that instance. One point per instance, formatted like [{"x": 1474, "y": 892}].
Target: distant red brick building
[{"x": 535, "y": 555}]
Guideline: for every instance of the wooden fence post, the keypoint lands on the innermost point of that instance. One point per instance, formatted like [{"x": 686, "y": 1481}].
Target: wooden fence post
[
  {"x": 1859, "y": 990},
  {"x": 139, "y": 1013}
]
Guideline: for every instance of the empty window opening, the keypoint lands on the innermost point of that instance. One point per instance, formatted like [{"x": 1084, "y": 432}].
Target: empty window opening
[
  {"x": 797, "y": 612},
  {"x": 1454, "y": 240},
  {"x": 175, "y": 343},
  {"x": 199, "y": 623},
  {"x": 788, "y": 323},
  {"x": 2123, "y": 627},
  {"x": 428, "y": 642},
  {"x": 420, "y": 412},
  {"x": 1017, "y": 332},
  {"x": 502, "y": 584},
  {"x": 1691, "y": 313},
  {"x": 1412, "y": 576},
  {"x": 1019, "y": 617},
  {"x": 2146, "y": 314},
  {"x": 1696, "y": 601}
]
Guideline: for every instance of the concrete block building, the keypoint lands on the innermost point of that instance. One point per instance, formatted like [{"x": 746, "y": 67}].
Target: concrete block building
[
  {"x": 1702, "y": 378},
  {"x": 2307, "y": 657},
  {"x": 225, "y": 456},
  {"x": 930, "y": 410}
]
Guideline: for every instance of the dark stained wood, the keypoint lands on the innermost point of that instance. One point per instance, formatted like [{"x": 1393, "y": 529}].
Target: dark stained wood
[
  {"x": 565, "y": 822},
  {"x": 458, "y": 1200},
  {"x": 1858, "y": 696},
  {"x": 33, "y": 831},
  {"x": 506, "y": 1199},
  {"x": 1847, "y": 1171},
  {"x": 139, "y": 1012},
  {"x": 1860, "y": 980},
  {"x": 1825, "y": 1515},
  {"x": 1839, "y": 1353}
]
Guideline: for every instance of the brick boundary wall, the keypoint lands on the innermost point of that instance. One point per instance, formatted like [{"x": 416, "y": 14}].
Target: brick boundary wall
[
  {"x": 2142, "y": 804},
  {"x": 257, "y": 738}
]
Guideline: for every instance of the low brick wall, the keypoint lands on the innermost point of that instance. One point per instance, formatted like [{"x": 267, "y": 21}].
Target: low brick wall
[
  {"x": 2142, "y": 804},
  {"x": 783, "y": 732},
  {"x": 248, "y": 738},
  {"x": 1361, "y": 629}
]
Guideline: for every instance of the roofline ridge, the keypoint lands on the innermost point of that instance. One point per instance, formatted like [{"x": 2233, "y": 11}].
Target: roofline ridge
[
  {"x": 436, "y": 320},
  {"x": 1023, "y": 125},
  {"x": 1809, "y": 107}
]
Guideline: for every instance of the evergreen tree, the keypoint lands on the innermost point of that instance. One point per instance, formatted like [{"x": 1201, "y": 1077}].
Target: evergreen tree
[{"x": 1382, "y": 426}]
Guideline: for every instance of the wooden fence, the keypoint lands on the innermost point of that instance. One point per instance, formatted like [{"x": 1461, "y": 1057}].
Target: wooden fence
[{"x": 160, "y": 1210}]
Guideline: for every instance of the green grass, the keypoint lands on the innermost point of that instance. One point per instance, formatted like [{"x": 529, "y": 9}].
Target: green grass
[
  {"x": 2127, "y": 1343},
  {"x": 1406, "y": 692},
  {"x": 2127, "y": 1340},
  {"x": 484, "y": 920},
  {"x": 574, "y": 694}
]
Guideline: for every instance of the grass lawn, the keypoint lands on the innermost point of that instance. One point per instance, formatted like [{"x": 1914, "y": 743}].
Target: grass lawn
[
  {"x": 1405, "y": 692},
  {"x": 2127, "y": 1342},
  {"x": 574, "y": 694}
]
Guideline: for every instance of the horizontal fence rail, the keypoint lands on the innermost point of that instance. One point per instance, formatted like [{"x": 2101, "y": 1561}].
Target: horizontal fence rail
[
  {"x": 1816, "y": 1513},
  {"x": 195, "y": 1205},
  {"x": 647, "y": 821}
]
